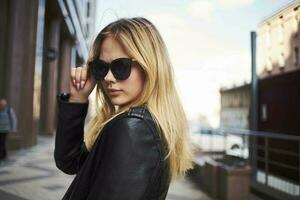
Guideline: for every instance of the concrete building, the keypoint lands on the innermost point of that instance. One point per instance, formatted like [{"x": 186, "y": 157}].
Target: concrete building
[
  {"x": 41, "y": 40},
  {"x": 278, "y": 41},
  {"x": 275, "y": 162},
  {"x": 235, "y": 105}
]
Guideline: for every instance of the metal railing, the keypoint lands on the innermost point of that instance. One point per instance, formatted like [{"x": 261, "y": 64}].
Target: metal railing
[{"x": 269, "y": 155}]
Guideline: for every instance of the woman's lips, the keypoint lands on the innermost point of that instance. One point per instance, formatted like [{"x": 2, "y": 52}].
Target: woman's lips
[{"x": 113, "y": 92}]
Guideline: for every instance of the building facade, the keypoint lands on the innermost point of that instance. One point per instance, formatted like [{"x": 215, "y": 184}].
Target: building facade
[
  {"x": 278, "y": 42},
  {"x": 41, "y": 40},
  {"x": 235, "y": 107},
  {"x": 276, "y": 166},
  {"x": 278, "y": 67}
]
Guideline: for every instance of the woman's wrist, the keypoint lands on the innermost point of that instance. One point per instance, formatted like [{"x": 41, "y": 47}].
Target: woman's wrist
[{"x": 77, "y": 99}]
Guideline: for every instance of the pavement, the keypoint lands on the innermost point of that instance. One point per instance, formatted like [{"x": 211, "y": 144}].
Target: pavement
[{"x": 31, "y": 174}]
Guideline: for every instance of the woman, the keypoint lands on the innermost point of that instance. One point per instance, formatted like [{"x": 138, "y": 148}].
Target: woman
[{"x": 138, "y": 140}]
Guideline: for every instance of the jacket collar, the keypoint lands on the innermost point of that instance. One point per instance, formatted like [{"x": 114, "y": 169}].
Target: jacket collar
[{"x": 138, "y": 111}]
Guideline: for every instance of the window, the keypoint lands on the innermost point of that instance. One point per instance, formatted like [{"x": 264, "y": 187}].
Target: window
[
  {"x": 281, "y": 34},
  {"x": 88, "y": 9},
  {"x": 268, "y": 40},
  {"x": 264, "y": 116},
  {"x": 87, "y": 30},
  {"x": 295, "y": 24},
  {"x": 296, "y": 56},
  {"x": 281, "y": 60},
  {"x": 269, "y": 64}
]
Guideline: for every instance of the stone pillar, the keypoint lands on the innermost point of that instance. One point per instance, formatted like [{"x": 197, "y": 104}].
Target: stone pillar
[
  {"x": 20, "y": 55},
  {"x": 3, "y": 41},
  {"x": 65, "y": 63},
  {"x": 65, "y": 66},
  {"x": 49, "y": 78}
]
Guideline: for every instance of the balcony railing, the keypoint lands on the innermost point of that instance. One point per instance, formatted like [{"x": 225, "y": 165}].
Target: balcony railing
[{"x": 273, "y": 157}]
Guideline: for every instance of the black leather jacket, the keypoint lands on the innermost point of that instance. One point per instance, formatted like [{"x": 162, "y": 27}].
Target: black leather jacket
[{"x": 125, "y": 163}]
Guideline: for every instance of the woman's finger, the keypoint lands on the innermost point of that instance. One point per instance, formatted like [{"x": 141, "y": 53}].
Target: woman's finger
[
  {"x": 83, "y": 76},
  {"x": 77, "y": 77},
  {"x": 73, "y": 71}
]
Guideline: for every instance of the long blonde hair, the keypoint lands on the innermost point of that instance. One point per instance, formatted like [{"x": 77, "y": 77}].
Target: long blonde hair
[{"x": 142, "y": 41}]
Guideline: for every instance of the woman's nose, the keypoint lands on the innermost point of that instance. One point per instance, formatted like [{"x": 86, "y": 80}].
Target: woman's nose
[{"x": 109, "y": 77}]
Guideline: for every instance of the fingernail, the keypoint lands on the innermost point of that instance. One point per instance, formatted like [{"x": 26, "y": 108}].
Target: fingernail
[
  {"x": 74, "y": 82},
  {"x": 82, "y": 84},
  {"x": 78, "y": 86}
]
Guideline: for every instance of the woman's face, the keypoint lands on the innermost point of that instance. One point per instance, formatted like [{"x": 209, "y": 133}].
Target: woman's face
[{"x": 120, "y": 92}]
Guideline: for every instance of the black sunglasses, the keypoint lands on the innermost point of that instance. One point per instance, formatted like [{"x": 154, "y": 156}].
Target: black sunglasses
[{"x": 120, "y": 68}]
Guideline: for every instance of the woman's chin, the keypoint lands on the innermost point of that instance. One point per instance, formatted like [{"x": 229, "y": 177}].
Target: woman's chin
[{"x": 118, "y": 101}]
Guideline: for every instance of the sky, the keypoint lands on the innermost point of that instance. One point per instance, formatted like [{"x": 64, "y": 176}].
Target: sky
[{"x": 208, "y": 42}]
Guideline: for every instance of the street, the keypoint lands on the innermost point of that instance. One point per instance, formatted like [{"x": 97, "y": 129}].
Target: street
[{"x": 31, "y": 174}]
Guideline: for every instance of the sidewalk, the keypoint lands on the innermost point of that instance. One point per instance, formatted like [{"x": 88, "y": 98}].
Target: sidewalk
[{"x": 31, "y": 174}]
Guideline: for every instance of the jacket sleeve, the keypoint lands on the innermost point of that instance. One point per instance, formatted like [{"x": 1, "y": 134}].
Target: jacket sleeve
[
  {"x": 129, "y": 164},
  {"x": 70, "y": 151}
]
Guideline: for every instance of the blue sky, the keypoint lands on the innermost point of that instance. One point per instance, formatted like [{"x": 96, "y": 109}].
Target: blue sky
[
  {"x": 231, "y": 22},
  {"x": 208, "y": 42}
]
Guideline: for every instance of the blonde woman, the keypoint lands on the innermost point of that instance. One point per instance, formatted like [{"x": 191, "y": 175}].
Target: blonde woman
[{"x": 138, "y": 140}]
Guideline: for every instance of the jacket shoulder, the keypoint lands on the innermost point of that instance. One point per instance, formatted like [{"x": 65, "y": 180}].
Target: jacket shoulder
[
  {"x": 138, "y": 123},
  {"x": 141, "y": 112},
  {"x": 135, "y": 116},
  {"x": 138, "y": 112}
]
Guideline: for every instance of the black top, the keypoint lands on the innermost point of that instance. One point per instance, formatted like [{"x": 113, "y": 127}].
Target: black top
[{"x": 125, "y": 163}]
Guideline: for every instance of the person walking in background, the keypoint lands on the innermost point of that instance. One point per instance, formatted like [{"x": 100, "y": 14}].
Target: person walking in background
[{"x": 8, "y": 123}]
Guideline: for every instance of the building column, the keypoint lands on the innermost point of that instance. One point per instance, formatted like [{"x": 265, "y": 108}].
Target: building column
[
  {"x": 20, "y": 63},
  {"x": 65, "y": 66},
  {"x": 49, "y": 78},
  {"x": 4, "y": 10}
]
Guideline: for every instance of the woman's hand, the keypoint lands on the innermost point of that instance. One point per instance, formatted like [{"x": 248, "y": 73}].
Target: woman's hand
[{"x": 81, "y": 85}]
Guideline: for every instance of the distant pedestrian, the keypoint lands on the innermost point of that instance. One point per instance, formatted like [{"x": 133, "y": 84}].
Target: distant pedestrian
[{"x": 8, "y": 123}]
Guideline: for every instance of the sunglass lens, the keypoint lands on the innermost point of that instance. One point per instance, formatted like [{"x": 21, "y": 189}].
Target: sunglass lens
[
  {"x": 121, "y": 68},
  {"x": 99, "y": 69}
]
